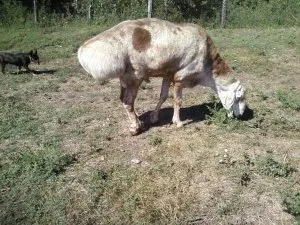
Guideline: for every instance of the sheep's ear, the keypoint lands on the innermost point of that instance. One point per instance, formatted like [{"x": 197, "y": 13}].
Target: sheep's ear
[
  {"x": 31, "y": 52},
  {"x": 35, "y": 51}
]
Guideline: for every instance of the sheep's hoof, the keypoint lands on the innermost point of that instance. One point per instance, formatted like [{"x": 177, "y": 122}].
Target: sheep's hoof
[
  {"x": 136, "y": 130},
  {"x": 179, "y": 124}
]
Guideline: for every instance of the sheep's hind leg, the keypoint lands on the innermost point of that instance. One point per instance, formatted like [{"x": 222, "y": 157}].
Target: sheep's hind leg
[{"x": 163, "y": 97}]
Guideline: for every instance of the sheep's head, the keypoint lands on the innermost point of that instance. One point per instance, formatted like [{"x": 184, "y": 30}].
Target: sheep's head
[{"x": 233, "y": 98}]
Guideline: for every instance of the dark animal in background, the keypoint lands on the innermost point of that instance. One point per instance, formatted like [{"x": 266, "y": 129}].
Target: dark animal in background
[{"x": 19, "y": 59}]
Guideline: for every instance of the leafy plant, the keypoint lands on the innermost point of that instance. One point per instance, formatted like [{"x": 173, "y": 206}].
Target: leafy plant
[
  {"x": 218, "y": 116},
  {"x": 273, "y": 168},
  {"x": 292, "y": 204}
]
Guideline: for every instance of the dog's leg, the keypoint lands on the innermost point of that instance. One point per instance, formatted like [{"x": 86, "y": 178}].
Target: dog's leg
[
  {"x": 20, "y": 67},
  {"x": 29, "y": 70},
  {"x": 3, "y": 67}
]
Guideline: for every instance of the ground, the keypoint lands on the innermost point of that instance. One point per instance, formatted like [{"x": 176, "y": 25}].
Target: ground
[{"x": 67, "y": 156}]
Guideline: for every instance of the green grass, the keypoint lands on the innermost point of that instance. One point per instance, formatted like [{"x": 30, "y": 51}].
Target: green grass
[
  {"x": 51, "y": 42},
  {"x": 271, "y": 167},
  {"x": 292, "y": 204},
  {"x": 31, "y": 186},
  {"x": 289, "y": 99},
  {"x": 18, "y": 118}
]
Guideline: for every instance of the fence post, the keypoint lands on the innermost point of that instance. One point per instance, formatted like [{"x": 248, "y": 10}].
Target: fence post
[
  {"x": 166, "y": 8},
  {"x": 149, "y": 8},
  {"x": 223, "y": 19},
  {"x": 89, "y": 17},
  {"x": 35, "y": 11}
]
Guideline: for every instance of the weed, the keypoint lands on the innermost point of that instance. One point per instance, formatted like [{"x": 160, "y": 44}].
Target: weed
[
  {"x": 273, "y": 168},
  {"x": 263, "y": 96},
  {"x": 146, "y": 86},
  {"x": 230, "y": 206},
  {"x": 245, "y": 179},
  {"x": 292, "y": 204},
  {"x": 218, "y": 116},
  {"x": 50, "y": 86},
  {"x": 103, "y": 82},
  {"x": 248, "y": 160},
  {"x": 155, "y": 140}
]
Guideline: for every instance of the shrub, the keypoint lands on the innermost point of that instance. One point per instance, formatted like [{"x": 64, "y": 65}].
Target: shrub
[
  {"x": 261, "y": 13},
  {"x": 12, "y": 12}
]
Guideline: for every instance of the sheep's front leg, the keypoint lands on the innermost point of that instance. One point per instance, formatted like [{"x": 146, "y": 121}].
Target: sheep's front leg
[
  {"x": 177, "y": 103},
  {"x": 163, "y": 97},
  {"x": 128, "y": 96}
]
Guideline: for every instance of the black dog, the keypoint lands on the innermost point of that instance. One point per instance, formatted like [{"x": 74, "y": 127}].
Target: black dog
[{"x": 19, "y": 59}]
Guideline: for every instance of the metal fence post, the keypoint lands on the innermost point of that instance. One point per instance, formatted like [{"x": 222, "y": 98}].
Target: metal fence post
[
  {"x": 149, "y": 8},
  {"x": 223, "y": 19},
  {"x": 166, "y": 8},
  {"x": 35, "y": 11},
  {"x": 89, "y": 16}
]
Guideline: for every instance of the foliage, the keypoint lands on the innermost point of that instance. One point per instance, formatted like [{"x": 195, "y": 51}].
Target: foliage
[
  {"x": 12, "y": 12},
  {"x": 273, "y": 168},
  {"x": 292, "y": 204},
  {"x": 259, "y": 13},
  {"x": 249, "y": 13},
  {"x": 219, "y": 116}
]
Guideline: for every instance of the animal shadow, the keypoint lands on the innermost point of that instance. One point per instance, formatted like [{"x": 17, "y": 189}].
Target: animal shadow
[
  {"x": 190, "y": 114},
  {"x": 248, "y": 114},
  {"x": 36, "y": 72}
]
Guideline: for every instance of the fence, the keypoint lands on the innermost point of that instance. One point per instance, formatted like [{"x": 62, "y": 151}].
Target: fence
[
  {"x": 233, "y": 13},
  {"x": 93, "y": 10}
]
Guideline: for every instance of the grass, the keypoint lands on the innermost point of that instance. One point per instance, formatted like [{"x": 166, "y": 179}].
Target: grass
[
  {"x": 65, "y": 152},
  {"x": 31, "y": 187},
  {"x": 289, "y": 99},
  {"x": 273, "y": 168},
  {"x": 292, "y": 204}
]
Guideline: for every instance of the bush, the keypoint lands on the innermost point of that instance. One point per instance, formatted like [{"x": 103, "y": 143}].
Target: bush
[
  {"x": 240, "y": 13},
  {"x": 292, "y": 204},
  {"x": 261, "y": 13},
  {"x": 12, "y": 12}
]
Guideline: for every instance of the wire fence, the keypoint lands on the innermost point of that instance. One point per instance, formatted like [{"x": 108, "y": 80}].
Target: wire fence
[
  {"x": 216, "y": 13},
  {"x": 174, "y": 10}
]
